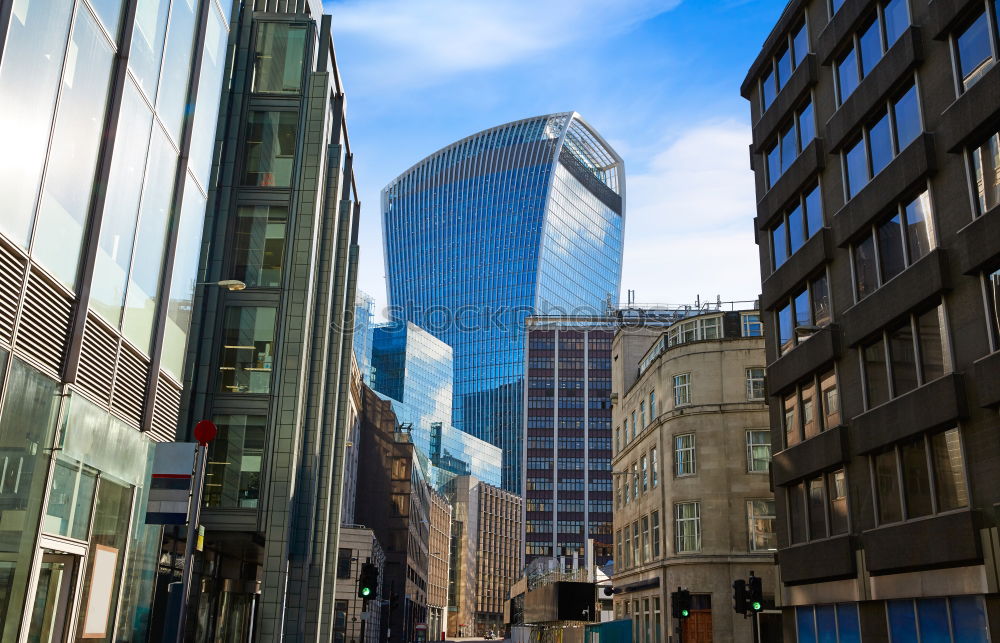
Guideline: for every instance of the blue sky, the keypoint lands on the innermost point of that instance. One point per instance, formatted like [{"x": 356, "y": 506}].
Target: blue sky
[{"x": 658, "y": 78}]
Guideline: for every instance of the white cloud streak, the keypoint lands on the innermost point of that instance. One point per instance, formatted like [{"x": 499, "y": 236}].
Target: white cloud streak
[
  {"x": 689, "y": 226},
  {"x": 418, "y": 42}
]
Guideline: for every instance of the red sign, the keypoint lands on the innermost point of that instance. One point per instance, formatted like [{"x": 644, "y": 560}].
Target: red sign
[{"x": 205, "y": 431}]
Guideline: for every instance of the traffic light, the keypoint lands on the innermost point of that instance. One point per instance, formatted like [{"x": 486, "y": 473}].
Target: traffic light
[
  {"x": 740, "y": 596},
  {"x": 611, "y": 591},
  {"x": 755, "y": 594},
  {"x": 680, "y": 603},
  {"x": 367, "y": 580}
]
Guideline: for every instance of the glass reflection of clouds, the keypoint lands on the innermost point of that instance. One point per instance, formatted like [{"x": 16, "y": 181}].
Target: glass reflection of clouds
[{"x": 523, "y": 218}]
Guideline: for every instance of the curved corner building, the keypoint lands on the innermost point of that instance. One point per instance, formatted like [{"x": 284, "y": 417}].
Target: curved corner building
[{"x": 520, "y": 219}]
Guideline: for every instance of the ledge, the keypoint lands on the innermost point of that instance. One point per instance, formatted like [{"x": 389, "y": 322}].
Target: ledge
[
  {"x": 810, "y": 162},
  {"x": 972, "y": 117},
  {"x": 944, "y": 540},
  {"x": 875, "y": 88},
  {"x": 808, "y": 357},
  {"x": 986, "y": 371},
  {"x": 792, "y": 12},
  {"x": 819, "y": 453},
  {"x": 884, "y": 191},
  {"x": 945, "y": 13},
  {"x": 819, "y": 560},
  {"x": 933, "y": 405},
  {"x": 978, "y": 244},
  {"x": 919, "y": 283},
  {"x": 804, "y": 77},
  {"x": 817, "y": 250},
  {"x": 842, "y": 26}
]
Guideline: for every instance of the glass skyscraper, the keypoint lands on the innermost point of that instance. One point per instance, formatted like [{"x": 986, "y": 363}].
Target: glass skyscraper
[{"x": 519, "y": 219}]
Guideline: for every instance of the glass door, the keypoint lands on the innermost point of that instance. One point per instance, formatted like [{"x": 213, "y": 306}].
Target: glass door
[{"x": 54, "y": 597}]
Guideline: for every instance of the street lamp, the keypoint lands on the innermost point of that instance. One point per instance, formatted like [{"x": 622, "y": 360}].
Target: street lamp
[{"x": 228, "y": 284}]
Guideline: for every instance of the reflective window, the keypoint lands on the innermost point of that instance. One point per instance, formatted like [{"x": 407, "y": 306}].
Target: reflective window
[
  {"x": 847, "y": 74},
  {"x": 903, "y": 358},
  {"x": 906, "y": 113},
  {"x": 876, "y": 378},
  {"x": 836, "y": 488},
  {"x": 779, "y": 244},
  {"x": 986, "y": 173},
  {"x": 260, "y": 245},
  {"x": 247, "y": 350},
  {"x": 887, "y": 488},
  {"x": 804, "y": 220},
  {"x": 902, "y": 240},
  {"x": 881, "y": 141},
  {"x": 925, "y": 481},
  {"x": 793, "y": 138},
  {"x": 973, "y": 50},
  {"x": 121, "y": 207},
  {"x": 143, "y": 291},
  {"x": 279, "y": 55},
  {"x": 856, "y": 161},
  {"x": 70, "y": 499},
  {"x": 916, "y": 357},
  {"x": 785, "y": 341},
  {"x": 877, "y": 35},
  {"x": 232, "y": 478},
  {"x": 870, "y": 47},
  {"x": 797, "y": 513},
  {"x": 110, "y": 13},
  {"x": 269, "y": 148},
  {"x": 171, "y": 100},
  {"x": 880, "y": 144},
  {"x": 182, "y": 281},
  {"x": 916, "y": 479},
  {"x": 760, "y": 519},
  {"x": 206, "y": 111},
  {"x": 147, "y": 43},
  {"x": 817, "y": 508},
  {"x": 949, "y": 471},
  {"x": 76, "y": 141},
  {"x": 29, "y": 79},
  {"x": 780, "y": 68},
  {"x": 891, "y": 247},
  {"x": 991, "y": 287},
  {"x": 897, "y": 19}
]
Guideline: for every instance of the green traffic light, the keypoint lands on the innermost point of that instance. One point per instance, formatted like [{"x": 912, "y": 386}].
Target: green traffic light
[
  {"x": 756, "y": 606},
  {"x": 365, "y": 591},
  {"x": 685, "y": 613}
]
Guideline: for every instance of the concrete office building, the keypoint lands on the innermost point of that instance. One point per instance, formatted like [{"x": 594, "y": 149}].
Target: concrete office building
[
  {"x": 875, "y": 153},
  {"x": 522, "y": 218},
  {"x": 693, "y": 507},
  {"x": 273, "y": 362},
  {"x": 567, "y": 454},
  {"x": 110, "y": 117},
  {"x": 357, "y": 620}
]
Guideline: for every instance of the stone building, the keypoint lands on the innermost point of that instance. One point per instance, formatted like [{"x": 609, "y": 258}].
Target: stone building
[
  {"x": 356, "y": 619},
  {"x": 438, "y": 557},
  {"x": 693, "y": 507},
  {"x": 875, "y": 155}
]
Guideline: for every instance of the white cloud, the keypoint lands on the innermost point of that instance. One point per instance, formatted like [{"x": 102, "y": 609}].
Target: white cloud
[
  {"x": 414, "y": 42},
  {"x": 689, "y": 226}
]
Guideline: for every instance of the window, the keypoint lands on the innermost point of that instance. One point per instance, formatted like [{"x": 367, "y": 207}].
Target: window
[
  {"x": 892, "y": 245},
  {"x": 278, "y": 60},
  {"x": 684, "y": 455},
  {"x": 232, "y": 476},
  {"x": 758, "y": 450},
  {"x": 751, "y": 325},
  {"x": 872, "y": 41},
  {"x": 642, "y": 413},
  {"x": 904, "y": 357},
  {"x": 247, "y": 350},
  {"x": 760, "y": 519},
  {"x": 269, "y": 149},
  {"x": 808, "y": 308},
  {"x": 654, "y": 467},
  {"x": 687, "y": 516},
  {"x": 920, "y": 477},
  {"x": 881, "y": 140},
  {"x": 794, "y": 137},
  {"x": 829, "y": 623},
  {"x": 959, "y": 619},
  {"x": 635, "y": 427},
  {"x": 986, "y": 174},
  {"x": 636, "y": 546},
  {"x": 755, "y": 383},
  {"x": 991, "y": 290},
  {"x": 780, "y": 69},
  {"x": 628, "y": 545},
  {"x": 619, "y": 546},
  {"x": 655, "y": 519},
  {"x": 652, "y": 406},
  {"x": 796, "y": 226},
  {"x": 259, "y": 245},
  {"x": 817, "y": 508},
  {"x": 975, "y": 47},
  {"x": 538, "y": 484},
  {"x": 813, "y": 407},
  {"x": 645, "y": 475},
  {"x": 682, "y": 389}
]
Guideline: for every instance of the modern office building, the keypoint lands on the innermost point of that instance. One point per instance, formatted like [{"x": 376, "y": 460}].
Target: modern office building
[
  {"x": 875, "y": 153},
  {"x": 567, "y": 448},
  {"x": 395, "y": 503},
  {"x": 364, "y": 329},
  {"x": 271, "y": 363},
  {"x": 357, "y": 619},
  {"x": 414, "y": 370},
  {"x": 693, "y": 507},
  {"x": 519, "y": 219},
  {"x": 110, "y": 118}
]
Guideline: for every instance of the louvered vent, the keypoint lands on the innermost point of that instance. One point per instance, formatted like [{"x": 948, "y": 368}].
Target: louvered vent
[
  {"x": 166, "y": 411},
  {"x": 97, "y": 359},
  {"x": 45, "y": 319},
  {"x": 11, "y": 281},
  {"x": 130, "y": 385}
]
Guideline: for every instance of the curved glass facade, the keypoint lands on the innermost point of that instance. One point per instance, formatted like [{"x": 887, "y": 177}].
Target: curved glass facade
[{"x": 525, "y": 218}]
